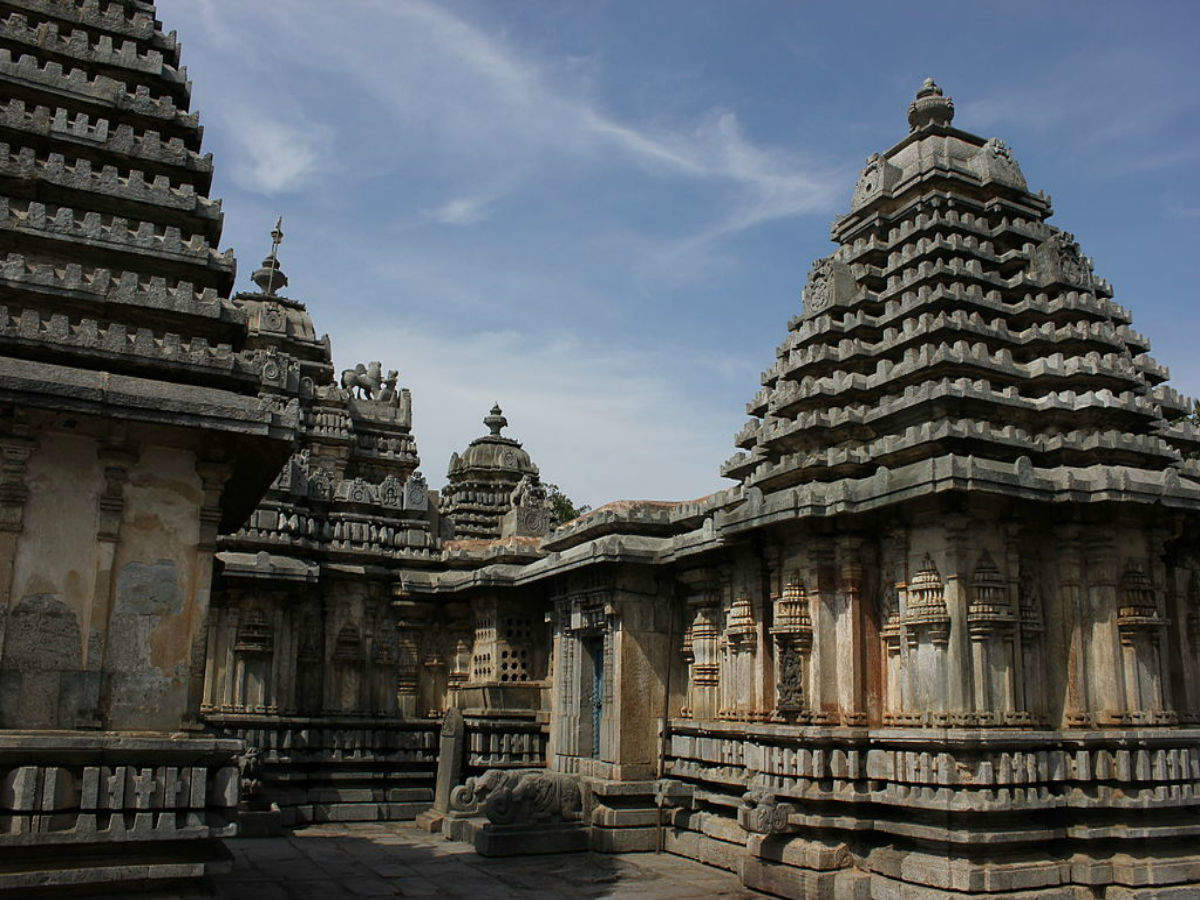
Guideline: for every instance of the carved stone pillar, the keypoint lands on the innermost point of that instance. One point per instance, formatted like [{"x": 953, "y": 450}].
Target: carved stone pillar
[
  {"x": 706, "y": 668},
  {"x": 1072, "y": 605},
  {"x": 213, "y": 476},
  {"x": 1140, "y": 623},
  {"x": 1024, "y": 583},
  {"x": 850, "y": 649},
  {"x": 116, "y": 460},
  {"x": 820, "y": 577},
  {"x": 990, "y": 623},
  {"x": 895, "y": 689},
  {"x": 15, "y": 449},
  {"x": 409, "y": 623},
  {"x": 740, "y": 638},
  {"x": 956, "y": 577},
  {"x": 460, "y": 666},
  {"x": 927, "y": 631},
  {"x": 1105, "y": 672}
]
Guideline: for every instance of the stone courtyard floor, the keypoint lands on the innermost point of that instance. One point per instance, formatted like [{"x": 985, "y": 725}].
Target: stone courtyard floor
[{"x": 396, "y": 859}]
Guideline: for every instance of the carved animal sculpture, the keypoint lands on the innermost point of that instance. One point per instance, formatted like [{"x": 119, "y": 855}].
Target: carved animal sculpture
[{"x": 366, "y": 380}]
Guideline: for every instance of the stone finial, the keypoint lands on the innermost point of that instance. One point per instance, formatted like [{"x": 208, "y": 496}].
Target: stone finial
[
  {"x": 495, "y": 420},
  {"x": 930, "y": 108},
  {"x": 270, "y": 277}
]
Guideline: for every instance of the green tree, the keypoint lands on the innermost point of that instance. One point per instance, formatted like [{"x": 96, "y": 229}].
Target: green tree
[{"x": 562, "y": 507}]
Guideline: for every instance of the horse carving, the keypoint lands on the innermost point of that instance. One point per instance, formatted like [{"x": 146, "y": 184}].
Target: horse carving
[{"x": 366, "y": 380}]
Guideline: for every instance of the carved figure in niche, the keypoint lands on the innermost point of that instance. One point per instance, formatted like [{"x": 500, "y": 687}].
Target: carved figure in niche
[
  {"x": 249, "y": 773},
  {"x": 391, "y": 492},
  {"x": 1059, "y": 257},
  {"x": 363, "y": 381}
]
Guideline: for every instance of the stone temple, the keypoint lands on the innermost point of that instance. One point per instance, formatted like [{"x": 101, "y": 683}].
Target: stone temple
[{"x": 939, "y": 638}]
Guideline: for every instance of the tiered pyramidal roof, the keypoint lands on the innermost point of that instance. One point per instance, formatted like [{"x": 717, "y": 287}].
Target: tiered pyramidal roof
[
  {"x": 954, "y": 338},
  {"x": 113, "y": 293}
]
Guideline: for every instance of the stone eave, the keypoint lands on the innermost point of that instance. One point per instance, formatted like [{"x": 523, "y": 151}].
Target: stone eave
[
  {"x": 655, "y": 518},
  {"x": 1019, "y": 480},
  {"x": 266, "y": 566},
  {"x": 844, "y": 227},
  {"x": 257, "y": 438},
  {"x": 626, "y": 549},
  {"x": 89, "y": 391}
]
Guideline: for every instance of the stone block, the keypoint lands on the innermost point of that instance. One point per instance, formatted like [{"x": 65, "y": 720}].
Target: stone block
[
  {"x": 801, "y": 884},
  {"x": 528, "y": 840},
  {"x": 624, "y": 840},
  {"x": 430, "y": 820},
  {"x": 704, "y": 849}
]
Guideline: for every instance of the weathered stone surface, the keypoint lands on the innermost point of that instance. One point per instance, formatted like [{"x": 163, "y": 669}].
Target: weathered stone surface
[{"x": 947, "y": 618}]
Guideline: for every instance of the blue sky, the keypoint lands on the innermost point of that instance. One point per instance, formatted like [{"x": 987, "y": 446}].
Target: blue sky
[{"x": 601, "y": 214}]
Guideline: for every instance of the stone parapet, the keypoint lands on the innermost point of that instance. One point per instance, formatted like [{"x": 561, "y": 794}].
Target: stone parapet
[
  {"x": 337, "y": 770},
  {"x": 134, "y": 19},
  {"x": 94, "y": 134}
]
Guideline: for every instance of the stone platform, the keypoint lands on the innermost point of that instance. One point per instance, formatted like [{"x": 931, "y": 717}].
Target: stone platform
[{"x": 398, "y": 859}]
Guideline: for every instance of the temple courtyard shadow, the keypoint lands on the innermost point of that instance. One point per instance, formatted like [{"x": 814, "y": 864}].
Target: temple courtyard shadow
[{"x": 395, "y": 859}]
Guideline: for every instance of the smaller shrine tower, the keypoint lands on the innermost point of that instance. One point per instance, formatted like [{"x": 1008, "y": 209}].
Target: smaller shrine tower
[{"x": 484, "y": 480}]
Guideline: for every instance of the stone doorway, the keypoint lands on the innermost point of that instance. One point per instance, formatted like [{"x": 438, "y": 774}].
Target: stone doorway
[{"x": 592, "y": 694}]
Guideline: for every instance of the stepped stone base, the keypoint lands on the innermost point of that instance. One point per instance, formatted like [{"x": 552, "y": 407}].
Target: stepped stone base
[
  {"x": 431, "y": 820},
  {"x": 624, "y": 816},
  {"x": 490, "y": 839}
]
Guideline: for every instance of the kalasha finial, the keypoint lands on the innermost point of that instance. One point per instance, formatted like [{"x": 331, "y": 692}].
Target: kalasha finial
[
  {"x": 270, "y": 277},
  {"x": 930, "y": 108},
  {"x": 495, "y": 420}
]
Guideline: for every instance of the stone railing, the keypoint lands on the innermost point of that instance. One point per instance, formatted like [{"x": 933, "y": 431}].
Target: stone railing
[
  {"x": 328, "y": 770},
  {"x": 166, "y": 804},
  {"x": 507, "y": 742}
]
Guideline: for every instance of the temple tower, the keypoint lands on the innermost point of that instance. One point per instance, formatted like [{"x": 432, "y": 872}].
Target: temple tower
[
  {"x": 303, "y": 628},
  {"x": 957, "y": 360},
  {"x": 482, "y": 481},
  {"x": 136, "y": 421}
]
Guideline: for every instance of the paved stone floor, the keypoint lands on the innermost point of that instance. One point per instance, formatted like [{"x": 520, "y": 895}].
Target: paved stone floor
[{"x": 399, "y": 860}]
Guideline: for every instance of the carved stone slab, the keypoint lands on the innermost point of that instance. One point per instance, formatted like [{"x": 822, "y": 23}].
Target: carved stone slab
[{"x": 450, "y": 757}]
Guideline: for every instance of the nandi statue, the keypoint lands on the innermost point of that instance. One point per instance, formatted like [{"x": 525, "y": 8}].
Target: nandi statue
[{"x": 366, "y": 380}]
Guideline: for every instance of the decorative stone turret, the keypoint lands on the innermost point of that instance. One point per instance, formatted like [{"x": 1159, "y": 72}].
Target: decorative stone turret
[
  {"x": 931, "y": 107},
  {"x": 482, "y": 481}
]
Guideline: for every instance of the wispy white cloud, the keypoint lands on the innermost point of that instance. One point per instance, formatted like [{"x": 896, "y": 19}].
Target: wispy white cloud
[
  {"x": 1088, "y": 98},
  {"x": 274, "y": 157},
  {"x": 496, "y": 117},
  {"x": 590, "y": 415},
  {"x": 461, "y": 211}
]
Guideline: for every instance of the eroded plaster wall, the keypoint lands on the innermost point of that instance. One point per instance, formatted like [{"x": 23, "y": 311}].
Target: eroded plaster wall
[{"x": 109, "y": 586}]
